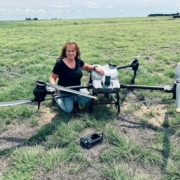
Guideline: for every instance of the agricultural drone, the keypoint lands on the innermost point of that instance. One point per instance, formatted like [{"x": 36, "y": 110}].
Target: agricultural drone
[{"x": 108, "y": 85}]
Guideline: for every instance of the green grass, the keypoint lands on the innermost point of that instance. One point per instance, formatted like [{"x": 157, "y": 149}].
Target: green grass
[{"x": 55, "y": 145}]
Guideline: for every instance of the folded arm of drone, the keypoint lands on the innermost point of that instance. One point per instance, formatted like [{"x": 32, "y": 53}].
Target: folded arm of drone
[
  {"x": 177, "y": 95},
  {"x": 134, "y": 64},
  {"x": 175, "y": 90}
]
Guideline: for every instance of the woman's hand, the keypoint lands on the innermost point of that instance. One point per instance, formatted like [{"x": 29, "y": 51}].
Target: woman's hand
[
  {"x": 89, "y": 67},
  {"x": 99, "y": 70}
]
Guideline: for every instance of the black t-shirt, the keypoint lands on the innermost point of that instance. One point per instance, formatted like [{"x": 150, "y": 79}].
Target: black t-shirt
[{"x": 68, "y": 76}]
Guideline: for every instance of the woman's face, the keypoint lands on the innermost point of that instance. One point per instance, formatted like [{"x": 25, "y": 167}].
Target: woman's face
[{"x": 71, "y": 52}]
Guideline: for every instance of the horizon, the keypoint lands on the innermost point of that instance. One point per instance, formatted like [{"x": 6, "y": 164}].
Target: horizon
[{"x": 78, "y": 9}]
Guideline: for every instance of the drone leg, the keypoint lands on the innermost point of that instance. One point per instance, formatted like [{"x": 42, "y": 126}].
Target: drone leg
[
  {"x": 91, "y": 103},
  {"x": 118, "y": 104},
  {"x": 133, "y": 79},
  {"x": 39, "y": 104}
]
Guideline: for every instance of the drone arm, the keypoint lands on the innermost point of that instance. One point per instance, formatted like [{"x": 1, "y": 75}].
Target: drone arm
[
  {"x": 165, "y": 88},
  {"x": 122, "y": 67},
  {"x": 80, "y": 87},
  {"x": 135, "y": 69},
  {"x": 134, "y": 64}
]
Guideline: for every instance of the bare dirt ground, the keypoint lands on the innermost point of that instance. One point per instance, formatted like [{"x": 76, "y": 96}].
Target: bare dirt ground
[{"x": 127, "y": 124}]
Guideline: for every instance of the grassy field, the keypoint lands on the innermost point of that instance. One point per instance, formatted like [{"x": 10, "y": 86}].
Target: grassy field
[{"x": 141, "y": 143}]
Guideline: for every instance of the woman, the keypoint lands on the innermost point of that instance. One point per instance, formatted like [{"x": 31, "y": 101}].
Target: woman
[{"x": 68, "y": 70}]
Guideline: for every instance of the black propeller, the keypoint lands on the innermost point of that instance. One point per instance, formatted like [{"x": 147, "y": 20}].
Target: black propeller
[
  {"x": 177, "y": 74},
  {"x": 40, "y": 92}
]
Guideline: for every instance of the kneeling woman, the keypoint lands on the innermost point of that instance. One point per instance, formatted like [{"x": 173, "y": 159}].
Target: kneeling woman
[{"x": 68, "y": 71}]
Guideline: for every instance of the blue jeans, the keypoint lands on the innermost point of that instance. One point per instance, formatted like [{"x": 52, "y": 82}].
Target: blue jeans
[{"x": 67, "y": 103}]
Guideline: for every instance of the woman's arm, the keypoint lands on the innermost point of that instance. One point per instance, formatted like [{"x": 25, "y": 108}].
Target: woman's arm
[
  {"x": 89, "y": 67},
  {"x": 52, "y": 78}
]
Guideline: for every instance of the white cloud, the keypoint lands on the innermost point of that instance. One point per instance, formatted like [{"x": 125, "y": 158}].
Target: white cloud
[
  {"x": 65, "y": 6},
  {"x": 92, "y": 5},
  {"x": 5, "y": 10},
  {"x": 14, "y": 4},
  {"x": 109, "y": 6},
  {"x": 29, "y": 10},
  {"x": 41, "y": 11},
  {"x": 16, "y": 10},
  {"x": 58, "y": 10}
]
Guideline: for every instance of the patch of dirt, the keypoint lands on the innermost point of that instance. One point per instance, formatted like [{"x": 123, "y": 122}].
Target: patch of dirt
[
  {"x": 47, "y": 116},
  {"x": 13, "y": 138},
  {"x": 4, "y": 163},
  {"x": 158, "y": 112},
  {"x": 15, "y": 135}
]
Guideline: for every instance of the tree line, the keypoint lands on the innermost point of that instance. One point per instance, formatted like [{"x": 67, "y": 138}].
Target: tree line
[
  {"x": 31, "y": 19},
  {"x": 160, "y": 14},
  {"x": 28, "y": 19}
]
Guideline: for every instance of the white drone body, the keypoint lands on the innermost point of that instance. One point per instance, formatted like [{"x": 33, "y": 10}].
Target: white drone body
[{"x": 108, "y": 83}]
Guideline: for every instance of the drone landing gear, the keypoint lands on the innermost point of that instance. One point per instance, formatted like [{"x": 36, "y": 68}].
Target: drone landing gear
[
  {"x": 133, "y": 79},
  {"x": 113, "y": 98}
]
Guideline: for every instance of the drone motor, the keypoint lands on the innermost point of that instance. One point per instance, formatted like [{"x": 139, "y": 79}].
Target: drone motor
[{"x": 40, "y": 92}]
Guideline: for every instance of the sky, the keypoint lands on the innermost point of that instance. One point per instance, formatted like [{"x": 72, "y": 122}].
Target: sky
[{"x": 80, "y": 9}]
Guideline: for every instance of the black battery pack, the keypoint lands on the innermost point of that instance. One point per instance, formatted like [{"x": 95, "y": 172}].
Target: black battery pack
[{"x": 91, "y": 140}]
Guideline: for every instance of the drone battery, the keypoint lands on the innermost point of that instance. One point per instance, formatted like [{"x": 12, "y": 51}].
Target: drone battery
[{"x": 91, "y": 140}]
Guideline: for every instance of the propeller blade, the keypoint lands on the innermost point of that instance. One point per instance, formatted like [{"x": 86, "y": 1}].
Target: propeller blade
[
  {"x": 138, "y": 56},
  {"x": 14, "y": 103},
  {"x": 177, "y": 72},
  {"x": 150, "y": 100},
  {"x": 178, "y": 97},
  {"x": 62, "y": 88},
  {"x": 17, "y": 74},
  {"x": 54, "y": 57}
]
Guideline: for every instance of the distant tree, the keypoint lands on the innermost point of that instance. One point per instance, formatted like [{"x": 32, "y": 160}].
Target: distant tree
[
  {"x": 28, "y": 19},
  {"x": 160, "y": 14},
  {"x": 35, "y": 19}
]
